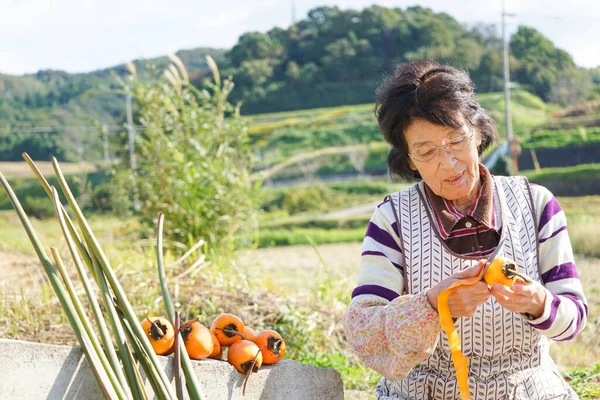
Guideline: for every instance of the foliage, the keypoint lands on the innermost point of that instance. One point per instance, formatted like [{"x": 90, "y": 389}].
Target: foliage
[
  {"x": 85, "y": 188},
  {"x": 38, "y": 146},
  {"x": 38, "y": 207},
  {"x": 297, "y": 199},
  {"x": 284, "y": 237},
  {"x": 561, "y": 138},
  {"x": 329, "y": 58},
  {"x": 193, "y": 161},
  {"x": 332, "y": 57},
  {"x": 586, "y": 381},
  {"x": 541, "y": 63},
  {"x": 574, "y": 173}
]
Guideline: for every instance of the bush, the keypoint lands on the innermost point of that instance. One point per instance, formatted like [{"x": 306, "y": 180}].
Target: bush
[
  {"x": 193, "y": 159},
  {"x": 328, "y": 224},
  {"x": 300, "y": 198},
  {"x": 361, "y": 187},
  {"x": 39, "y": 207},
  {"x": 281, "y": 237}
]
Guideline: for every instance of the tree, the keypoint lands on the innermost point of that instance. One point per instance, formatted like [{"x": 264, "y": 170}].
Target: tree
[
  {"x": 540, "y": 63},
  {"x": 573, "y": 85},
  {"x": 255, "y": 46}
]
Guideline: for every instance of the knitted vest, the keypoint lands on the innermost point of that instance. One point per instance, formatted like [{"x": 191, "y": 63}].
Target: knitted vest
[{"x": 508, "y": 359}]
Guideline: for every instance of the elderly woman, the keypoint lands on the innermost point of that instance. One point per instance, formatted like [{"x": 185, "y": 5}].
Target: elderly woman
[{"x": 422, "y": 239}]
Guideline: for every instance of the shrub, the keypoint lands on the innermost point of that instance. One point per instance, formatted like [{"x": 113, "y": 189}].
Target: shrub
[
  {"x": 193, "y": 160},
  {"x": 38, "y": 207}
]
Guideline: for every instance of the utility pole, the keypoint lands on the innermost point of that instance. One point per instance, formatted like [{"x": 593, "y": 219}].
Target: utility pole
[
  {"x": 105, "y": 145},
  {"x": 132, "y": 164},
  {"x": 74, "y": 133},
  {"x": 512, "y": 152}
]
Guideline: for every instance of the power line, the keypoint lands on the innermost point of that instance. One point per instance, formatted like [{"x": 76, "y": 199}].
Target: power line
[
  {"x": 66, "y": 128},
  {"x": 561, "y": 17}
]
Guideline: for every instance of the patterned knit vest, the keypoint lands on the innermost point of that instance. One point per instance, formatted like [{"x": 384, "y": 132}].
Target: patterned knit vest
[{"x": 508, "y": 359}]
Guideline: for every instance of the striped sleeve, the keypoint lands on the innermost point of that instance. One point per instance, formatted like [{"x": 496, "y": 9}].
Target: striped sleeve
[
  {"x": 389, "y": 331},
  {"x": 381, "y": 259},
  {"x": 566, "y": 308}
]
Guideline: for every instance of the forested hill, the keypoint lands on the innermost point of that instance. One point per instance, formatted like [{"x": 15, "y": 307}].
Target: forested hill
[
  {"x": 331, "y": 57},
  {"x": 55, "y": 99},
  {"x": 339, "y": 56}
]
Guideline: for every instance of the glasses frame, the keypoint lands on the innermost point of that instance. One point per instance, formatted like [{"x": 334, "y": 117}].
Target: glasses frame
[{"x": 436, "y": 149}]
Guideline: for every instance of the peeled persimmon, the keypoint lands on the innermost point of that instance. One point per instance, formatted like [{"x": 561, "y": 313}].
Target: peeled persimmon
[
  {"x": 271, "y": 345},
  {"x": 501, "y": 271},
  {"x": 197, "y": 339},
  {"x": 497, "y": 272},
  {"x": 228, "y": 328},
  {"x": 160, "y": 332},
  {"x": 245, "y": 356},
  {"x": 250, "y": 334}
]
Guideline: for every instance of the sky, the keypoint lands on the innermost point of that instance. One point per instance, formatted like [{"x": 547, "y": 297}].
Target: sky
[{"x": 85, "y": 35}]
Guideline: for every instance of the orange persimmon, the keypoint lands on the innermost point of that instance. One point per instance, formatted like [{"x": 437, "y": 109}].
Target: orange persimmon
[
  {"x": 228, "y": 328},
  {"x": 160, "y": 332},
  {"x": 250, "y": 334},
  {"x": 217, "y": 349},
  {"x": 271, "y": 345},
  {"x": 497, "y": 272},
  {"x": 197, "y": 339},
  {"x": 245, "y": 356}
]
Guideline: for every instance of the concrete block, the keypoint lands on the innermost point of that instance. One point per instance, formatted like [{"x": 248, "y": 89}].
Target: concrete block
[{"x": 41, "y": 371}]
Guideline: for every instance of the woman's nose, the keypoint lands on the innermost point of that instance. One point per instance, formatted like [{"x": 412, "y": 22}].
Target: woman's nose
[{"x": 447, "y": 157}]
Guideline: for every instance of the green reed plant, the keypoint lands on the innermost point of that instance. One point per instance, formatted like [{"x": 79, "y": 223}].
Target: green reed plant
[{"x": 115, "y": 370}]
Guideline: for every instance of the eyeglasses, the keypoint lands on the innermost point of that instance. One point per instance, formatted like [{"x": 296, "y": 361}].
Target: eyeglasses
[{"x": 454, "y": 144}]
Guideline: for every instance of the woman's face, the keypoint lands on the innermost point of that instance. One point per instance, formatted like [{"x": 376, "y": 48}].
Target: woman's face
[{"x": 451, "y": 174}]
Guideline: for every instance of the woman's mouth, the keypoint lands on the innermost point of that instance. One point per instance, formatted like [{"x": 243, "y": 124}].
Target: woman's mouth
[{"x": 455, "y": 179}]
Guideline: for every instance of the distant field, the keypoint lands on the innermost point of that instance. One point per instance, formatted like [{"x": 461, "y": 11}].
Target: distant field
[
  {"x": 285, "y": 140},
  {"x": 13, "y": 170}
]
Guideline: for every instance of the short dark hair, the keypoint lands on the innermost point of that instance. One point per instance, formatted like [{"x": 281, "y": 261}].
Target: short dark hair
[{"x": 431, "y": 91}]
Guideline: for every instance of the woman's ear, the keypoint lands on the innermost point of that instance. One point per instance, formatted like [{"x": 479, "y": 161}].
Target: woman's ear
[
  {"x": 411, "y": 164},
  {"x": 478, "y": 138}
]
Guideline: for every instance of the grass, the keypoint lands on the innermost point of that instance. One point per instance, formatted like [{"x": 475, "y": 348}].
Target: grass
[
  {"x": 302, "y": 291},
  {"x": 12, "y": 170},
  {"x": 562, "y": 138},
  {"x": 284, "y": 237},
  {"x": 278, "y": 137},
  {"x": 575, "y": 173}
]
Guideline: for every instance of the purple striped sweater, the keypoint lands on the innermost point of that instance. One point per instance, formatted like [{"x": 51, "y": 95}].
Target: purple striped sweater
[{"x": 379, "y": 306}]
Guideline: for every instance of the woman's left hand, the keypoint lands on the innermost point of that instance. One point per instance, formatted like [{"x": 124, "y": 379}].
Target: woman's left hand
[{"x": 521, "y": 298}]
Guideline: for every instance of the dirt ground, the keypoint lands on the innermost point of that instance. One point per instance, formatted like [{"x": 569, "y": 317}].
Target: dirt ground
[
  {"x": 19, "y": 272},
  {"x": 287, "y": 269},
  {"x": 296, "y": 269}
]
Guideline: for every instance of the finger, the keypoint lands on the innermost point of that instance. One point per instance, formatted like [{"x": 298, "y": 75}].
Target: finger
[
  {"x": 501, "y": 290},
  {"x": 481, "y": 287},
  {"x": 520, "y": 289},
  {"x": 471, "y": 271},
  {"x": 501, "y": 298}
]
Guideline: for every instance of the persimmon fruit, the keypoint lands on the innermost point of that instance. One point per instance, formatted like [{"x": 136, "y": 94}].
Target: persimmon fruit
[
  {"x": 245, "y": 356},
  {"x": 228, "y": 328},
  {"x": 250, "y": 334},
  {"x": 197, "y": 339},
  {"x": 160, "y": 332},
  {"x": 217, "y": 349},
  {"x": 271, "y": 345},
  {"x": 497, "y": 272}
]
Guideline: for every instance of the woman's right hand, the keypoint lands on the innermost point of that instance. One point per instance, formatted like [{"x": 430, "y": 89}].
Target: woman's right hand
[{"x": 464, "y": 300}]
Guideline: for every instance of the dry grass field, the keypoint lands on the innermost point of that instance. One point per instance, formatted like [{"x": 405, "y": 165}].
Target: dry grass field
[{"x": 12, "y": 170}]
